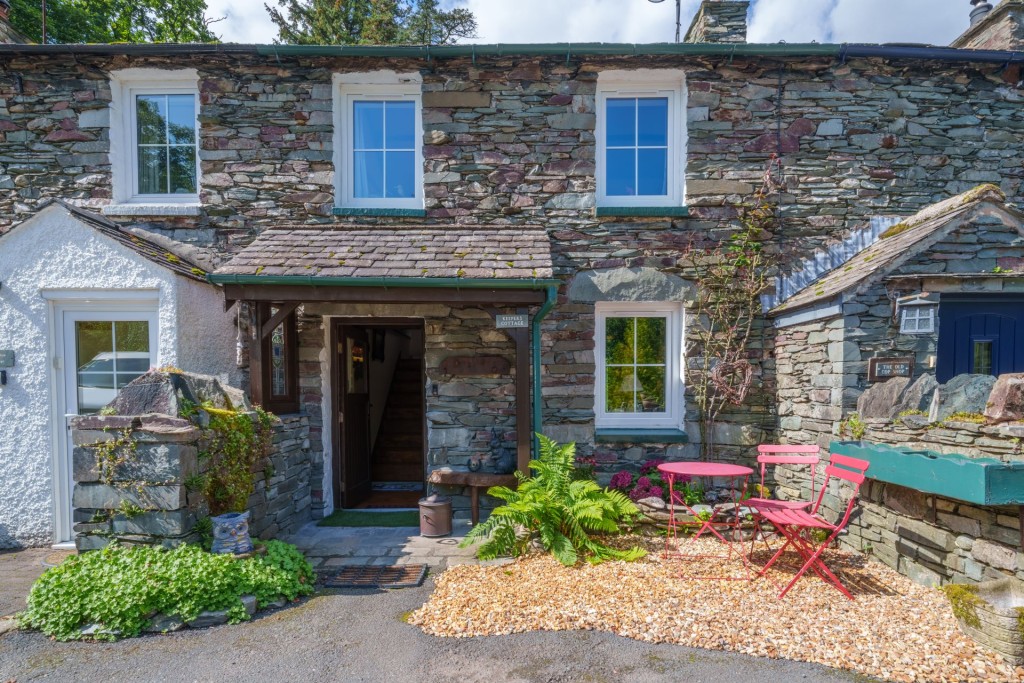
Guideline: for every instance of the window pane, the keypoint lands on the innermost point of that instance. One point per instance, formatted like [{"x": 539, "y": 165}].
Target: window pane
[
  {"x": 621, "y": 172},
  {"x": 134, "y": 363},
  {"x": 183, "y": 170},
  {"x": 651, "y": 390},
  {"x": 400, "y": 125},
  {"x": 621, "y": 120},
  {"x": 278, "y": 368},
  {"x": 181, "y": 115},
  {"x": 400, "y": 177},
  {"x": 652, "y": 171},
  {"x": 152, "y": 170},
  {"x": 650, "y": 340},
  {"x": 92, "y": 339},
  {"x": 652, "y": 121},
  {"x": 151, "y": 119},
  {"x": 982, "y": 358},
  {"x": 369, "y": 125},
  {"x": 368, "y": 169},
  {"x": 620, "y": 396},
  {"x": 618, "y": 345}
]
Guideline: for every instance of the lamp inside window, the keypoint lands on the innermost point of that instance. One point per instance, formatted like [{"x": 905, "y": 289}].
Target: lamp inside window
[{"x": 917, "y": 313}]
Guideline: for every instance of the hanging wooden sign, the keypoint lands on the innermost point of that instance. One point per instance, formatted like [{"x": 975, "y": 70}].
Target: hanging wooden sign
[
  {"x": 468, "y": 366},
  {"x": 883, "y": 368}
]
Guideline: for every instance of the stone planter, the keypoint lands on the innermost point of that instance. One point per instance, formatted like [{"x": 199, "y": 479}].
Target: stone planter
[
  {"x": 990, "y": 613},
  {"x": 231, "y": 533}
]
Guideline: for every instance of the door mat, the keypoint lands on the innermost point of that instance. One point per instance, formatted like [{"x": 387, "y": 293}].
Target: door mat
[
  {"x": 389, "y": 518},
  {"x": 397, "y": 486},
  {"x": 366, "y": 576}
]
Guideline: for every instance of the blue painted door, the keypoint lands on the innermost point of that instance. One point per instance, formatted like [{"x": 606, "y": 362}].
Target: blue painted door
[{"x": 980, "y": 336}]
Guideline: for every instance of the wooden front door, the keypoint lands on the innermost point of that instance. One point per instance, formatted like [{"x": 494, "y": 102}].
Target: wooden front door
[{"x": 354, "y": 415}]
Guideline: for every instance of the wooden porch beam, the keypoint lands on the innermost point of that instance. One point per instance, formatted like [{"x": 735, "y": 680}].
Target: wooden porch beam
[{"x": 283, "y": 312}]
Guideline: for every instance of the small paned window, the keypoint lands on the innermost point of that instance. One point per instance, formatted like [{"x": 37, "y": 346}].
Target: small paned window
[
  {"x": 639, "y": 365},
  {"x": 280, "y": 366},
  {"x": 917, "y": 319},
  {"x": 166, "y": 144},
  {"x": 982, "y": 362}
]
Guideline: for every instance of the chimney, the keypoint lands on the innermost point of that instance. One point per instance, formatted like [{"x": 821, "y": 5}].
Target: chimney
[
  {"x": 999, "y": 28},
  {"x": 981, "y": 8},
  {"x": 719, "y": 21},
  {"x": 5, "y": 9}
]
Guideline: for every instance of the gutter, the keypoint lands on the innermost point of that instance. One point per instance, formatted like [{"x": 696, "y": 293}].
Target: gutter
[
  {"x": 568, "y": 50},
  {"x": 550, "y": 297}
]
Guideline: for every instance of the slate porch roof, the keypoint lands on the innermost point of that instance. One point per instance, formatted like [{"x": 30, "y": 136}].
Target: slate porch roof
[
  {"x": 170, "y": 254},
  {"x": 896, "y": 245},
  {"x": 505, "y": 252}
]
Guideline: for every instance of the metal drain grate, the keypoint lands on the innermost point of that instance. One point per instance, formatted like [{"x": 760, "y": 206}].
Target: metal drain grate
[{"x": 364, "y": 576}]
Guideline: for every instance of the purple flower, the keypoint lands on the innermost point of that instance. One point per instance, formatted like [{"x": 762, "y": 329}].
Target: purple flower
[
  {"x": 650, "y": 466},
  {"x": 643, "y": 483},
  {"x": 621, "y": 480}
]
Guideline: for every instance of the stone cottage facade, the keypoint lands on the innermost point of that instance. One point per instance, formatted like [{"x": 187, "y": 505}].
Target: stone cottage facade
[{"x": 467, "y": 243}]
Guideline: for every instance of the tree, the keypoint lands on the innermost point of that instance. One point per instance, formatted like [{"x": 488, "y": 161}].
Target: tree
[
  {"x": 114, "y": 21},
  {"x": 369, "y": 22}
]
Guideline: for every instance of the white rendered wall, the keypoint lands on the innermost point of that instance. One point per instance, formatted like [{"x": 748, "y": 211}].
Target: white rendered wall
[
  {"x": 207, "y": 334},
  {"x": 53, "y": 254}
]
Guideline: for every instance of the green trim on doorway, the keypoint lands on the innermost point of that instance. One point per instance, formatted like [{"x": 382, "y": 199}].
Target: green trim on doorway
[{"x": 389, "y": 518}]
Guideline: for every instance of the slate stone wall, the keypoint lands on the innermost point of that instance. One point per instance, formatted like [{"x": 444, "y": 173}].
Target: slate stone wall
[
  {"x": 154, "y": 481},
  {"x": 933, "y": 541}
]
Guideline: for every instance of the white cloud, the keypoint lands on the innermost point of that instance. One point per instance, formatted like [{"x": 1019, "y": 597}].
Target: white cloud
[
  {"x": 245, "y": 21},
  {"x": 640, "y": 21}
]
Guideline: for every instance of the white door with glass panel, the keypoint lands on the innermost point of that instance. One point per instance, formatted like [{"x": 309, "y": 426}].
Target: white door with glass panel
[{"x": 102, "y": 352}]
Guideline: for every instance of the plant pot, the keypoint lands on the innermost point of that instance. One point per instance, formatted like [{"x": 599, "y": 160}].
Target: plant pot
[
  {"x": 231, "y": 533},
  {"x": 990, "y": 613}
]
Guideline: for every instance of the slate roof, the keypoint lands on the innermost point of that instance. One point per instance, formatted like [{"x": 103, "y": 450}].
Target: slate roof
[
  {"x": 896, "y": 244},
  {"x": 506, "y": 252},
  {"x": 160, "y": 250}
]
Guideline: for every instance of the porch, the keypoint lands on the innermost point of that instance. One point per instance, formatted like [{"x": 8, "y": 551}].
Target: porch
[{"x": 411, "y": 349}]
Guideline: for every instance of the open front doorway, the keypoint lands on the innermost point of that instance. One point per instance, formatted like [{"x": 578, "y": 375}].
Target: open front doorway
[{"x": 379, "y": 413}]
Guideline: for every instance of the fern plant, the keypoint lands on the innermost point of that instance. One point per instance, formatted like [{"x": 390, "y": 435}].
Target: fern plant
[{"x": 560, "y": 512}]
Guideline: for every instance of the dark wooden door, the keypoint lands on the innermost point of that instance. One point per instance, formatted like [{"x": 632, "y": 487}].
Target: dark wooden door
[
  {"x": 354, "y": 416},
  {"x": 981, "y": 337}
]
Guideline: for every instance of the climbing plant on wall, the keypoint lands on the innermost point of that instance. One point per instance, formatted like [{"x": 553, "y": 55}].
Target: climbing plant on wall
[{"x": 731, "y": 277}]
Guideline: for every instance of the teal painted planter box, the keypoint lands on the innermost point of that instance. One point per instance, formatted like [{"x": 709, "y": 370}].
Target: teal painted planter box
[{"x": 982, "y": 481}]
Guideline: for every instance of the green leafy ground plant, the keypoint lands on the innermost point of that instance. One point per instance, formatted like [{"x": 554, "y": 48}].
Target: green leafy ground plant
[
  {"x": 561, "y": 513},
  {"x": 121, "y": 588}
]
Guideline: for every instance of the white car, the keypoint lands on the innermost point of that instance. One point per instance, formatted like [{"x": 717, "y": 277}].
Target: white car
[{"x": 100, "y": 379}]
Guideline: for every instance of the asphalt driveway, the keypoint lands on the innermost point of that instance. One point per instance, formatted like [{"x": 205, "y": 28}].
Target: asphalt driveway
[{"x": 354, "y": 636}]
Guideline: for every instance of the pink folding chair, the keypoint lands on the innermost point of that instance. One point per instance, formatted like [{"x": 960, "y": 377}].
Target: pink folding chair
[
  {"x": 792, "y": 523},
  {"x": 778, "y": 454}
]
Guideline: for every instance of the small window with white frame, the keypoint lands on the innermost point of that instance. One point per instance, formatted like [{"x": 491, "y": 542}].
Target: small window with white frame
[
  {"x": 641, "y": 138},
  {"x": 155, "y": 137},
  {"x": 378, "y": 135},
  {"x": 917, "y": 319},
  {"x": 638, "y": 349}
]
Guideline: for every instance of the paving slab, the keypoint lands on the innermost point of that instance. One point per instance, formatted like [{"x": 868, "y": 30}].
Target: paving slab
[{"x": 18, "y": 571}]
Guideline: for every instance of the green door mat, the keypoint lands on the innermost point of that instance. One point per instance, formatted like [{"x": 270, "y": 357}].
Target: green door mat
[{"x": 372, "y": 518}]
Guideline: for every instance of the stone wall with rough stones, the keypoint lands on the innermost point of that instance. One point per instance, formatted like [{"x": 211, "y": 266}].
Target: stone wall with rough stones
[
  {"x": 933, "y": 540},
  {"x": 148, "y": 500}
]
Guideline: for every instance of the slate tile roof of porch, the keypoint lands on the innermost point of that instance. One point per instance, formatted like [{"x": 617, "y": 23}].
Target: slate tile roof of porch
[
  {"x": 899, "y": 242},
  {"x": 415, "y": 252}
]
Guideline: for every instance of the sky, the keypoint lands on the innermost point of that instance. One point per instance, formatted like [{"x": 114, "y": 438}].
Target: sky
[{"x": 639, "y": 21}]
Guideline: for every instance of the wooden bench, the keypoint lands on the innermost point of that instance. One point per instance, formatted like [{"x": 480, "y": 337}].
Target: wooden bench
[{"x": 475, "y": 481}]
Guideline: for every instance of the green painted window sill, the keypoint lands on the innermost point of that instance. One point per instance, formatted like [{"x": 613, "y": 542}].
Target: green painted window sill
[
  {"x": 393, "y": 213},
  {"x": 641, "y": 436},
  {"x": 646, "y": 211}
]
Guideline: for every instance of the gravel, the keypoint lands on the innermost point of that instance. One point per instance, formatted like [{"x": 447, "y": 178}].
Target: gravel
[{"x": 895, "y": 629}]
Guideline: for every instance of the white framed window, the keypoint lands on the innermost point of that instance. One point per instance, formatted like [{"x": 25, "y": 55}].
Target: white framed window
[
  {"x": 154, "y": 139},
  {"x": 641, "y": 138},
  {"x": 639, "y": 365},
  {"x": 378, "y": 141},
  {"x": 917, "y": 319}
]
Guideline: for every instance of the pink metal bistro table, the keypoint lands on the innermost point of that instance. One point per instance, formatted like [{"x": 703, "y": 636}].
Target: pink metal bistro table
[{"x": 673, "y": 470}]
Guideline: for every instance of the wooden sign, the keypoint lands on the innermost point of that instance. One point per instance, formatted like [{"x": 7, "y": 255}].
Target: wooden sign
[
  {"x": 880, "y": 369},
  {"x": 471, "y": 366}
]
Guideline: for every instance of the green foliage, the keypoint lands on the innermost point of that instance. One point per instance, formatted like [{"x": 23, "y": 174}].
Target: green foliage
[
  {"x": 369, "y": 22},
  {"x": 114, "y": 21},
  {"x": 562, "y": 513},
  {"x": 121, "y": 588},
  {"x": 235, "y": 443},
  {"x": 853, "y": 427},
  {"x": 114, "y": 453},
  {"x": 908, "y": 413},
  {"x": 976, "y": 418},
  {"x": 964, "y": 600}
]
